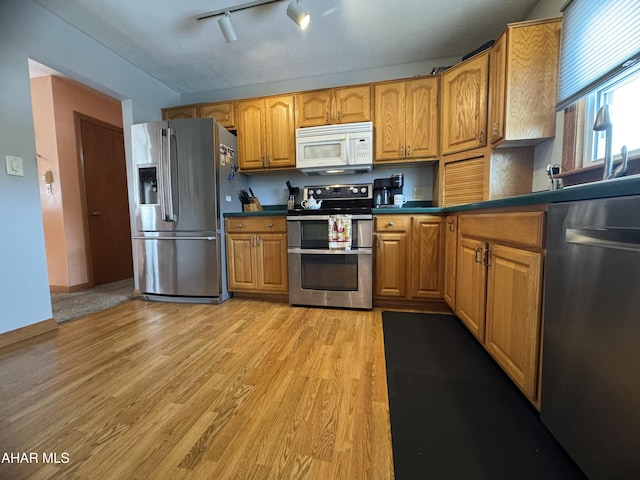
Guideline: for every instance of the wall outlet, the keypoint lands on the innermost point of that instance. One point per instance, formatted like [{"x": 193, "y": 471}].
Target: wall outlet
[
  {"x": 417, "y": 192},
  {"x": 227, "y": 198}
]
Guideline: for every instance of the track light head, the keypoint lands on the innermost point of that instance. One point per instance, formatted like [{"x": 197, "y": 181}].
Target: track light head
[
  {"x": 226, "y": 26},
  {"x": 298, "y": 14}
]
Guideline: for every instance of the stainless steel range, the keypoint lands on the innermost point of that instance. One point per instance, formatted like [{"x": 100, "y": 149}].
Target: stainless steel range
[{"x": 330, "y": 247}]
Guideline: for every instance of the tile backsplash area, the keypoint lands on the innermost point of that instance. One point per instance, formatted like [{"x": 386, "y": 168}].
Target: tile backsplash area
[{"x": 272, "y": 189}]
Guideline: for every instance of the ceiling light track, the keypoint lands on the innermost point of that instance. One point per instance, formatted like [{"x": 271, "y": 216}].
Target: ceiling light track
[
  {"x": 294, "y": 11},
  {"x": 237, "y": 8}
]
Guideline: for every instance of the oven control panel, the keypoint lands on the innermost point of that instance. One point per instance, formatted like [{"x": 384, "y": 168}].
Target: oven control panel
[{"x": 339, "y": 192}]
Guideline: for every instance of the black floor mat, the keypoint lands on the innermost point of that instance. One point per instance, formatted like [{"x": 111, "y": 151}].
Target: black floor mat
[{"x": 455, "y": 414}]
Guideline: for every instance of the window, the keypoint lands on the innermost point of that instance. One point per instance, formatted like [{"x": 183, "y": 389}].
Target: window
[{"x": 623, "y": 96}]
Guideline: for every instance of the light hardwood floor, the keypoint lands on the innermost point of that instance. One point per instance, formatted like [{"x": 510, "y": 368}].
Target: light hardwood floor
[{"x": 243, "y": 390}]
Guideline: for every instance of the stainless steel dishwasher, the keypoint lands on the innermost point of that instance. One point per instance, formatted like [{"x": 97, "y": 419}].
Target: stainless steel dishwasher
[{"x": 591, "y": 342}]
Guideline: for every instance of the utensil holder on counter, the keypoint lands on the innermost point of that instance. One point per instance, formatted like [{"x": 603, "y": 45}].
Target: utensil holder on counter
[{"x": 253, "y": 205}]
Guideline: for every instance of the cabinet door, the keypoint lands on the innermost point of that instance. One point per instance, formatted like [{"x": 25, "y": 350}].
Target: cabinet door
[
  {"x": 313, "y": 108},
  {"x": 352, "y": 104},
  {"x": 464, "y": 105},
  {"x": 451, "y": 248},
  {"x": 251, "y": 121},
  {"x": 471, "y": 280},
  {"x": 513, "y": 314},
  {"x": 178, "y": 113},
  {"x": 422, "y": 118},
  {"x": 271, "y": 262},
  {"x": 497, "y": 76},
  {"x": 241, "y": 271},
  {"x": 223, "y": 113},
  {"x": 389, "y": 120},
  {"x": 280, "y": 132},
  {"x": 390, "y": 265},
  {"x": 426, "y": 266}
]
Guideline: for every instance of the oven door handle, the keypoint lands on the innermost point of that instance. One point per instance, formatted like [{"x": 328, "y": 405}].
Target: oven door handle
[
  {"x": 322, "y": 251},
  {"x": 302, "y": 218}
]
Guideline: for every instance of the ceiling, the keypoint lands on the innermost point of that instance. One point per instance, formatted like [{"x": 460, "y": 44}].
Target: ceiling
[{"x": 163, "y": 38}]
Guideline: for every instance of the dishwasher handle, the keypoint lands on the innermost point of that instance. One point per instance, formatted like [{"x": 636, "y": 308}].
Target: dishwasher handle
[{"x": 606, "y": 237}]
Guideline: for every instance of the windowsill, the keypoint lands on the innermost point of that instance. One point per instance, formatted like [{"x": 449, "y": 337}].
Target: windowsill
[{"x": 595, "y": 172}]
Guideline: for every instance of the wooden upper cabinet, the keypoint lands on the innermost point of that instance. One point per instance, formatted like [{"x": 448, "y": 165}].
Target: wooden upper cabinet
[
  {"x": 352, "y": 104},
  {"x": 421, "y": 115},
  {"x": 222, "y": 112},
  {"x": 266, "y": 133},
  {"x": 251, "y": 125},
  {"x": 280, "y": 132},
  {"x": 524, "y": 78},
  {"x": 406, "y": 120},
  {"x": 331, "y": 106},
  {"x": 464, "y": 105},
  {"x": 177, "y": 113}
]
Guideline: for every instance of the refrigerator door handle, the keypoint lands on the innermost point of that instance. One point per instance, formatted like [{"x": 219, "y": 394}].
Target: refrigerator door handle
[
  {"x": 170, "y": 215},
  {"x": 161, "y": 167}
]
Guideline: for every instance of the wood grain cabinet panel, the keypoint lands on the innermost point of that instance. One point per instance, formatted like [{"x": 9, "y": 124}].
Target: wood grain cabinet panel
[
  {"x": 523, "y": 79},
  {"x": 177, "y": 113},
  {"x": 498, "y": 293},
  {"x": 332, "y": 106},
  {"x": 406, "y": 120},
  {"x": 451, "y": 248},
  {"x": 257, "y": 254},
  {"x": 266, "y": 133},
  {"x": 512, "y": 333},
  {"x": 408, "y": 257},
  {"x": 222, "y": 112},
  {"x": 463, "y": 110}
]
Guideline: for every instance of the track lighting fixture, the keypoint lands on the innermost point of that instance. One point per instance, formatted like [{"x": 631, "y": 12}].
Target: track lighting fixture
[
  {"x": 226, "y": 26},
  {"x": 294, "y": 11},
  {"x": 298, "y": 14}
]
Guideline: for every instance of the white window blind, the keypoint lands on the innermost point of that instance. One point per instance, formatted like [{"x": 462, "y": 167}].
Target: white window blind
[{"x": 600, "y": 38}]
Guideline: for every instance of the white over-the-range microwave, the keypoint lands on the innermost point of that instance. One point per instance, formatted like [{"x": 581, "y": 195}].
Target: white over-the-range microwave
[{"x": 335, "y": 149}]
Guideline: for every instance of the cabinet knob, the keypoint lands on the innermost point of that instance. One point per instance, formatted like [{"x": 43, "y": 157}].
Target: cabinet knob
[
  {"x": 390, "y": 224},
  {"x": 270, "y": 225},
  {"x": 408, "y": 150},
  {"x": 240, "y": 225}
]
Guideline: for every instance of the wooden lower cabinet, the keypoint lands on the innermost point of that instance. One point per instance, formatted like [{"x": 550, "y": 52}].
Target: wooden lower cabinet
[
  {"x": 470, "y": 285},
  {"x": 498, "y": 293},
  {"x": 451, "y": 248},
  {"x": 512, "y": 334},
  {"x": 408, "y": 257},
  {"x": 257, "y": 257}
]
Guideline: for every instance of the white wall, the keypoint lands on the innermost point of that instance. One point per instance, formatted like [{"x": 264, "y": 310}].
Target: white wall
[{"x": 27, "y": 30}]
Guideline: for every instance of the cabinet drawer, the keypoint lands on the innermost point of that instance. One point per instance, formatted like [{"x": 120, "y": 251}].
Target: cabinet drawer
[
  {"x": 391, "y": 223},
  {"x": 525, "y": 228},
  {"x": 256, "y": 224}
]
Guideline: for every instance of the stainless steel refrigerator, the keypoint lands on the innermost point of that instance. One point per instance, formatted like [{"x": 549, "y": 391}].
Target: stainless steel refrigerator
[{"x": 185, "y": 179}]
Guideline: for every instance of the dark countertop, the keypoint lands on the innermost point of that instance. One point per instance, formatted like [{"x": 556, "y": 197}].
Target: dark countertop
[{"x": 617, "y": 187}]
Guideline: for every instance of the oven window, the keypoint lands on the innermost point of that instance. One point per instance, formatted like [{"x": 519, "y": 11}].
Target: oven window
[
  {"x": 315, "y": 234},
  {"x": 330, "y": 272}
]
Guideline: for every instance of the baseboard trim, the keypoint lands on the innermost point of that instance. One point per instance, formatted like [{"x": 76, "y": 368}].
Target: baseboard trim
[
  {"x": 25, "y": 333},
  {"x": 69, "y": 288},
  {"x": 423, "y": 306}
]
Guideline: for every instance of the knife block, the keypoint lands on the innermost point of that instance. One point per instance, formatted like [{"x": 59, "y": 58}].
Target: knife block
[{"x": 254, "y": 206}]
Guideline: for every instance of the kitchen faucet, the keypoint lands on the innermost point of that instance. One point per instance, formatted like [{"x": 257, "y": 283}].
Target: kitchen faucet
[{"x": 603, "y": 123}]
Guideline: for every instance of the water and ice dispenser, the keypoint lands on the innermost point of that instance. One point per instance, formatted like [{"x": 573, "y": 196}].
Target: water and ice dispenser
[{"x": 148, "y": 185}]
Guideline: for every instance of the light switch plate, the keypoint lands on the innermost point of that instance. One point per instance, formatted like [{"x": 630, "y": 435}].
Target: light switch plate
[{"x": 14, "y": 165}]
